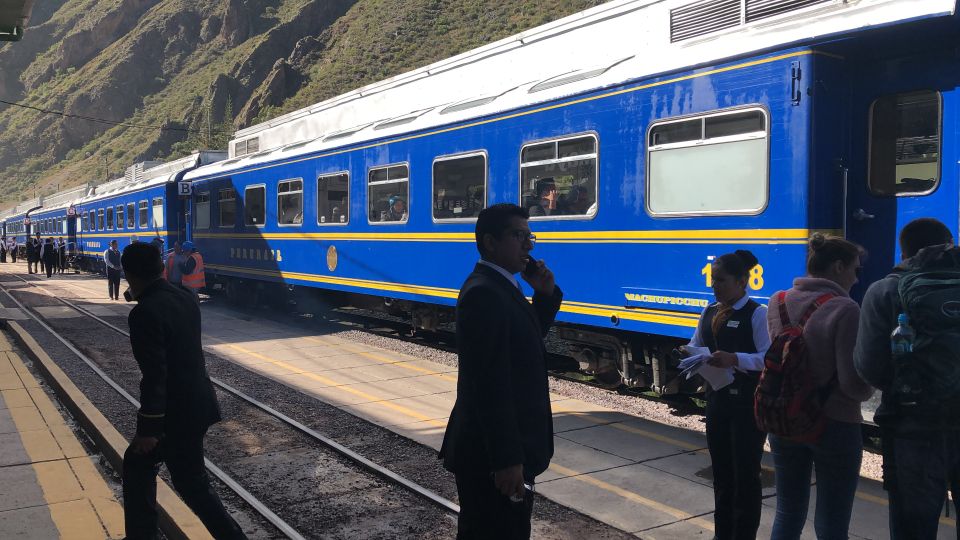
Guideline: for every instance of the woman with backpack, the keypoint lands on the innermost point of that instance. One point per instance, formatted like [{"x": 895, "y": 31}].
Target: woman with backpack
[
  {"x": 734, "y": 329},
  {"x": 829, "y": 437}
]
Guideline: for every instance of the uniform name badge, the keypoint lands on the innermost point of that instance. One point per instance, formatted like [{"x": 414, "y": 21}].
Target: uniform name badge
[{"x": 733, "y": 324}]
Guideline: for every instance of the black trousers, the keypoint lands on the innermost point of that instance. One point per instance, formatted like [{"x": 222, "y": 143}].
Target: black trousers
[
  {"x": 49, "y": 262},
  {"x": 485, "y": 514},
  {"x": 736, "y": 446},
  {"x": 183, "y": 455},
  {"x": 113, "y": 283},
  {"x": 13, "y": 255}
]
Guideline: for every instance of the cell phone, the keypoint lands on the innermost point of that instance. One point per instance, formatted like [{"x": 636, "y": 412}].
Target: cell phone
[{"x": 532, "y": 267}]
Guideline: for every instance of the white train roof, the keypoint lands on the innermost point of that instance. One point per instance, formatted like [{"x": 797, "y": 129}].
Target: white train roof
[
  {"x": 603, "y": 46},
  {"x": 149, "y": 174}
]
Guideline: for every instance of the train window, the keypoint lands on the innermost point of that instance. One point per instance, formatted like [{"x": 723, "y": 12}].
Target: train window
[
  {"x": 120, "y": 220},
  {"x": 676, "y": 132},
  {"x": 100, "y": 224},
  {"x": 131, "y": 215},
  {"x": 290, "y": 202},
  {"x": 388, "y": 194},
  {"x": 558, "y": 178},
  {"x": 84, "y": 221},
  {"x": 333, "y": 199},
  {"x": 109, "y": 219},
  {"x": 201, "y": 211},
  {"x": 158, "y": 212},
  {"x": 227, "y": 203},
  {"x": 255, "y": 206},
  {"x": 905, "y": 143},
  {"x": 142, "y": 214},
  {"x": 459, "y": 186},
  {"x": 714, "y": 164}
]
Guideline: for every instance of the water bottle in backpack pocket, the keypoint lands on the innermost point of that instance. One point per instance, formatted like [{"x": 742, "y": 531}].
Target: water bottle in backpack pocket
[{"x": 927, "y": 377}]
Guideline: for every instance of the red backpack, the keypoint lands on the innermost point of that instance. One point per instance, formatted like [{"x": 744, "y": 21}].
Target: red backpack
[{"x": 787, "y": 402}]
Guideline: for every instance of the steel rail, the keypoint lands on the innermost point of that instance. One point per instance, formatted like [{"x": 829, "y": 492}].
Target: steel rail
[
  {"x": 248, "y": 497},
  {"x": 367, "y": 464}
]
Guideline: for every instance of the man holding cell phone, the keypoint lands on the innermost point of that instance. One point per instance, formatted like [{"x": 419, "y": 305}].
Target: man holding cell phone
[{"x": 500, "y": 433}]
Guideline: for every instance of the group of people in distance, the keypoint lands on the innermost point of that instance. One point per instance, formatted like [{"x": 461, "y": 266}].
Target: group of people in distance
[
  {"x": 9, "y": 246},
  {"x": 499, "y": 436},
  {"x": 48, "y": 255}
]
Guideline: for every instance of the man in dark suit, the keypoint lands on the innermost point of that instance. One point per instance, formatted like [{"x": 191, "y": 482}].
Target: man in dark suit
[
  {"x": 177, "y": 401},
  {"x": 500, "y": 433}
]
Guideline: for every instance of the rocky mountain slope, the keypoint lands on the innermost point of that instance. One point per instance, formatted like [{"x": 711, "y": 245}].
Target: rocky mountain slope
[{"x": 155, "y": 79}]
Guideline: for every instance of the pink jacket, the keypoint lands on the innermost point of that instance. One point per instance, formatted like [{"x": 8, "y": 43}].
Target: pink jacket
[{"x": 830, "y": 334}]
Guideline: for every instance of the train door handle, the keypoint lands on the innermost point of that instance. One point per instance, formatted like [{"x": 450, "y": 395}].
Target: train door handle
[{"x": 860, "y": 215}]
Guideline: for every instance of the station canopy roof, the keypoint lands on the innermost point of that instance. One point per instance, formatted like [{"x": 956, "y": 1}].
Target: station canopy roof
[{"x": 14, "y": 15}]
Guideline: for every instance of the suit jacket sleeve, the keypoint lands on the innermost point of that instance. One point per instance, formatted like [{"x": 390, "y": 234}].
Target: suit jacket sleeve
[
  {"x": 547, "y": 307},
  {"x": 486, "y": 377},
  {"x": 149, "y": 348}
]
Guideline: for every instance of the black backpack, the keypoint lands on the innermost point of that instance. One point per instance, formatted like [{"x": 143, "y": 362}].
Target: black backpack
[{"x": 928, "y": 380}]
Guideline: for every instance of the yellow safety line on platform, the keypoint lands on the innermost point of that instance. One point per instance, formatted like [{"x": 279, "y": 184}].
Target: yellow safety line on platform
[
  {"x": 333, "y": 384},
  {"x": 78, "y": 499},
  {"x": 627, "y": 494},
  {"x": 382, "y": 359}
]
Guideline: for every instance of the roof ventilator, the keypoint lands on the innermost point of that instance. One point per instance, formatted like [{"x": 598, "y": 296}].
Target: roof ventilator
[
  {"x": 582, "y": 75},
  {"x": 708, "y": 16},
  {"x": 345, "y": 133},
  {"x": 762, "y": 9},
  {"x": 456, "y": 107}
]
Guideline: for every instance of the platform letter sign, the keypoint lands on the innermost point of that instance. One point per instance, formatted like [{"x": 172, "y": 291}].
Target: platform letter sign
[
  {"x": 184, "y": 189},
  {"x": 26, "y": 221}
]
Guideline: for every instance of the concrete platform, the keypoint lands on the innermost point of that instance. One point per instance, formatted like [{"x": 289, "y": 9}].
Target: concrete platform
[
  {"x": 50, "y": 486},
  {"x": 643, "y": 477}
]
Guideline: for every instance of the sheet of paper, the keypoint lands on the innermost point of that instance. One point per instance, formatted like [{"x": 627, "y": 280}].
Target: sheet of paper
[
  {"x": 696, "y": 364},
  {"x": 717, "y": 377}
]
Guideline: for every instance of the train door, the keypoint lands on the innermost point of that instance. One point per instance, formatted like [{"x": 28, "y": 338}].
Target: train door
[{"x": 902, "y": 164}]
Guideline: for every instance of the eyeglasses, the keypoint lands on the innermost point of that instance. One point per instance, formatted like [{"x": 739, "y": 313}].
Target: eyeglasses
[{"x": 521, "y": 235}]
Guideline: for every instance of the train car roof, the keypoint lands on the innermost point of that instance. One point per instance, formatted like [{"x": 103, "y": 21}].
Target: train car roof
[
  {"x": 151, "y": 174},
  {"x": 603, "y": 46}
]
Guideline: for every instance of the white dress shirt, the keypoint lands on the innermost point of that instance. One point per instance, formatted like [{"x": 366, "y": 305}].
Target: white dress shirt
[
  {"x": 761, "y": 338},
  {"x": 506, "y": 274}
]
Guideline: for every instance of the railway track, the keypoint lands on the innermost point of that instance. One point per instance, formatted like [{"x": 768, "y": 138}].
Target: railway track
[{"x": 282, "y": 524}]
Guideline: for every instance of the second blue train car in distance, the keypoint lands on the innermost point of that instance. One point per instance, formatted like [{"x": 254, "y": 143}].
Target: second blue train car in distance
[{"x": 141, "y": 206}]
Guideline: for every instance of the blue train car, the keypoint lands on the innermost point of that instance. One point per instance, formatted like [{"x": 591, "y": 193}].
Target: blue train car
[
  {"x": 719, "y": 134},
  {"x": 57, "y": 218},
  {"x": 139, "y": 207},
  {"x": 19, "y": 222}
]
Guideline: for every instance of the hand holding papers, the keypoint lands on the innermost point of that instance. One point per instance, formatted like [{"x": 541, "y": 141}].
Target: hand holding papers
[{"x": 696, "y": 364}]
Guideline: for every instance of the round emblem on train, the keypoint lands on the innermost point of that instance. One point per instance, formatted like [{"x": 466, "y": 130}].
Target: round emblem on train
[{"x": 332, "y": 258}]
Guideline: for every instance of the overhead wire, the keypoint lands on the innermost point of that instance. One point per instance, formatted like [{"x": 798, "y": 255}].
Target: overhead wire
[{"x": 109, "y": 122}]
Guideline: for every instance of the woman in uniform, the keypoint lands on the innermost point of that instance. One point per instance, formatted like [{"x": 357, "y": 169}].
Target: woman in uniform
[{"x": 734, "y": 329}]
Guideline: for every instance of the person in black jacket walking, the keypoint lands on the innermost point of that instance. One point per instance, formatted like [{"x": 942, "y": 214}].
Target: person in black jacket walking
[
  {"x": 177, "y": 401},
  {"x": 500, "y": 433},
  {"x": 48, "y": 255}
]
